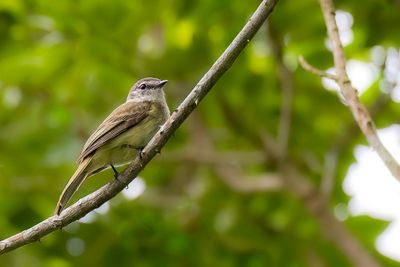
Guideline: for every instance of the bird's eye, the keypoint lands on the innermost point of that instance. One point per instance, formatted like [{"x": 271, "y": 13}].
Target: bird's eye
[{"x": 142, "y": 86}]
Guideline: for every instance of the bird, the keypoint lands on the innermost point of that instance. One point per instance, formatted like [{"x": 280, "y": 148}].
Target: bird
[{"x": 121, "y": 136}]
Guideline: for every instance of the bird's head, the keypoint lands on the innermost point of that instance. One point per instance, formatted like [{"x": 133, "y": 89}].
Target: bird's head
[{"x": 147, "y": 89}]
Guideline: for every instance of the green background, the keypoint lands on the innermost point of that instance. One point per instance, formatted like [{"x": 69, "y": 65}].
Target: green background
[{"x": 64, "y": 65}]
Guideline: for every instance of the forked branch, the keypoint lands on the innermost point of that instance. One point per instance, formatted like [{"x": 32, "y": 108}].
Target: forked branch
[{"x": 349, "y": 93}]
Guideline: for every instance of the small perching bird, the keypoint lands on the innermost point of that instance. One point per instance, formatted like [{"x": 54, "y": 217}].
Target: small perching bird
[{"x": 121, "y": 135}]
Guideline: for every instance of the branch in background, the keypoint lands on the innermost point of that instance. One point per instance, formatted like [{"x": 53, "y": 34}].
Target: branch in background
[
  {"x": 347, "y": 136},
  {"x": 234, "y": 177},
  {"x": 329, "y": 172},
  {"x": 286, "y": 80},
  {"x": 298, "y": 185},
  {"x": 313, "y": 200},
  {"x": 308, "y": 67},
  {"x": 313, "y": 259},
  {"x": 210, "y": 158},
  {"x": 350, "y": 95},
  {"x": 230, "y": 172},
  {"x": 99, "y": 197},
  {"x": 331, "y": 228}
]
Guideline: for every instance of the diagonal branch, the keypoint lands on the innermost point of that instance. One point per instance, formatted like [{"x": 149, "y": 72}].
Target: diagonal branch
[
  {"x": 105, "y": 193},
  {"x": 348, "y": 135},
  {"x": 360, "y": 113}
]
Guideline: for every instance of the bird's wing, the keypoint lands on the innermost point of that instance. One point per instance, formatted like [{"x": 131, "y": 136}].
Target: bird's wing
[{"x": 120, "y": 120}]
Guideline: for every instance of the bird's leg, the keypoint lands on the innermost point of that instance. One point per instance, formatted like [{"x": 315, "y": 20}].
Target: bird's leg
[
  {"x": 116, "y": 173},
  {"x": 140, "y": 152}
]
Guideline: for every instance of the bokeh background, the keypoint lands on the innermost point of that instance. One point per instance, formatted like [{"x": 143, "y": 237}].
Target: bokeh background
[{"x": 270, "y": 169}]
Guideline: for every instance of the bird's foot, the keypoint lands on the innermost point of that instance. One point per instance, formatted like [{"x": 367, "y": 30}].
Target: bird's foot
[
  {"x": 140, "y": 152},
  {"x": 116, "y": 173}
]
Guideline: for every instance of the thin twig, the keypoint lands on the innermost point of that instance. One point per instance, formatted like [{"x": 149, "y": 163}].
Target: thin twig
[
  {"x": 105, "y": 193},
  {"x": 329, "y": 172},
  {"x": 286, "y": 81},
  {"x": 308, "y": 67},
  {"x": 360, "y": 113}
]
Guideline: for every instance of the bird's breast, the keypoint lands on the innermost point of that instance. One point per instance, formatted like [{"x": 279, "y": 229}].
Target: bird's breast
[{"x": 140, "y": 134}]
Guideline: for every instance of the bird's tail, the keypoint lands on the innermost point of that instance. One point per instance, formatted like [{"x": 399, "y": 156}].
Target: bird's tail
[{"x": 73, "y": 184}]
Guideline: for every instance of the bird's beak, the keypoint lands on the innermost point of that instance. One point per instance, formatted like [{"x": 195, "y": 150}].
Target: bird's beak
[{"x": 162, "y": 83}]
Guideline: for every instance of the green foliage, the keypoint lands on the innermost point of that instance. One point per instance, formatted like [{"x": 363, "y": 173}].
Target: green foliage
[{"x": 64, "y": 65}]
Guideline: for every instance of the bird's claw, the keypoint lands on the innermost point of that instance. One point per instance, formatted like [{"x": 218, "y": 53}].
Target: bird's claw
[{"x": 116, "y": 173}]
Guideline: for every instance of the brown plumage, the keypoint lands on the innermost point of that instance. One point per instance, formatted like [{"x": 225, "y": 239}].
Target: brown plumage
[
  {"x": 116, "y": 141},
  {"x": 121, "y": 119}
]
